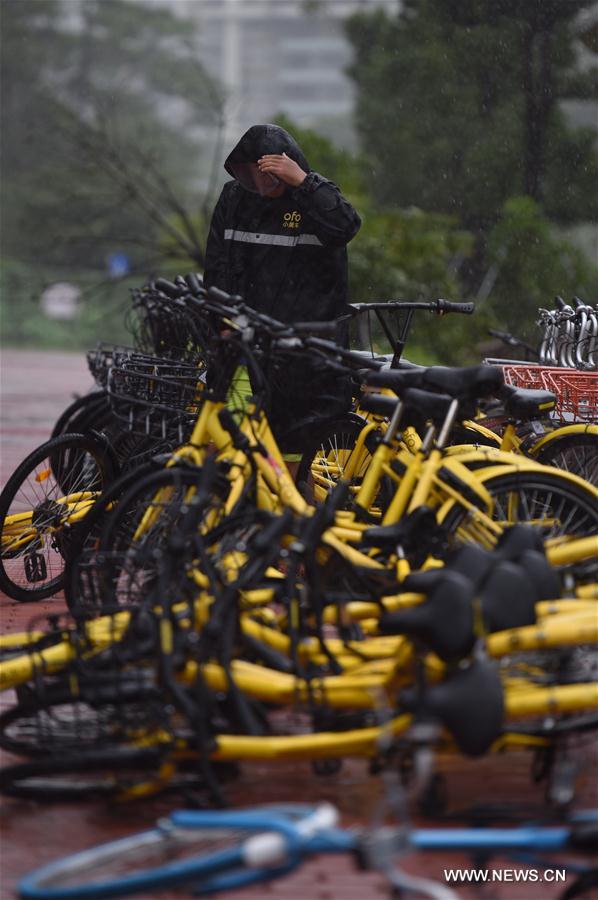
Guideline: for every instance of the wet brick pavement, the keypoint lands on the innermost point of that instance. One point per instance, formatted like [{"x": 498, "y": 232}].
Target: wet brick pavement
[{"x": 36, "y": 388}]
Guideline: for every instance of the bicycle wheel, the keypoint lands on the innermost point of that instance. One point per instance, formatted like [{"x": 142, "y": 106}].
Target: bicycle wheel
[
  {"x": 145, "y": 525},
  {"x": 576, "y": 453},
  {"x": 325, "y": 461},
  {"x": 37, "y": 511},
  {"x": 90, "y": 415},
  {"x": 83, "y": 574},
  {"x": 208, "y": 851},
  {"x": 104, "y": 715},
  {"x": 76, "y": 775},
  {"x": 82, "y": 414},
  {"x": 544, "y": 499}
]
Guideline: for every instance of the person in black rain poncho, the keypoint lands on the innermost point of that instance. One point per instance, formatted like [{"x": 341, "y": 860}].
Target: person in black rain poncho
[{"x": 278, "y": 237}]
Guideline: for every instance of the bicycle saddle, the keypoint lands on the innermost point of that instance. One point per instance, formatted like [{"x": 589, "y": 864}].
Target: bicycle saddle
[
  {"x": 469, "y": 703},
  {"x": 414, "y": 526},
  {"x": 516, "y": 540},
  {"x": 508, "y": 598},
  {"x": 471, "y": 382},
  {"x": 396, "y": 380},
  {"x": 421, "y": 405},
  {"x": 545, "y": 579},
  {"x": 479, "y": 565},
  {"x": 507, "y": 593},
  {"x": 525, "y": 403},
  {"x": 379, "y": 404},
  {"x": 444, "y": 622},
  {"x": 471, "y": 560}
]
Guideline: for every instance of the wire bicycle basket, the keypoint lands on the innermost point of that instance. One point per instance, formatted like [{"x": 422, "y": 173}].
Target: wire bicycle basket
[{"x": 155, "y": 397}]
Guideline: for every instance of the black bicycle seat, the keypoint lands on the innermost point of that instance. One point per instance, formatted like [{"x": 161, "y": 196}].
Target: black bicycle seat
[
  {"x": 415, "y": 526},
  {"x": 471, "y": 382},
  {"x": 516, "y": 540},
  {"x": 524, "y": 403},
  {"x": 444, "y": 622},
  {"x": 473, "y": 561},
  {"x": 424, "y": 581},
  {"x": 379, "y": 404},
  {"x": 422, "y": 405},
  {"x": 547, "y": 583},
  {"x": 508, "y": 598},
  {"x": 469, "y": 703},
  {"x": 396, "y": 380}
]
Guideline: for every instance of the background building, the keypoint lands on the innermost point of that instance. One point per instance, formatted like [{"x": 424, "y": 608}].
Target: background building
[{"x": 277, "y": 56}]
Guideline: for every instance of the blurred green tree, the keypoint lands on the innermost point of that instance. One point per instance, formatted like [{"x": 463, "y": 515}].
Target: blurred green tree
[
  {"x": 458, "y": 107},
  {"x": 401, "y": 254},
  {"x": 101, "y": 105},
  {"x": 397, "y": 253},
  {"x": 531, "y": 264}
]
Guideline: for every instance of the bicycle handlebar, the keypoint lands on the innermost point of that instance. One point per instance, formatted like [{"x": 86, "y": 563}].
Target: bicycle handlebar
[
  {"x": 215, "y": 293},
  {"x": 193, "y": 283},
  {"x": 167, "y": 287},
  {"x": 445, "y": 306},
  {"x": 439, "y": 306}
]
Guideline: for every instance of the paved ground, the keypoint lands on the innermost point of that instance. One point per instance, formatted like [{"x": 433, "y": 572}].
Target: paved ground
[{"x": 35, "y": 388}]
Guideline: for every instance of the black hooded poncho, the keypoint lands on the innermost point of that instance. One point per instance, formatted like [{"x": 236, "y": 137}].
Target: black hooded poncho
[{"x": 287, "y": 257}]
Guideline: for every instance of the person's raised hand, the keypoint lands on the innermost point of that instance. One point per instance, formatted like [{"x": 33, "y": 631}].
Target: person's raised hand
[{"x": 282, "y": 167}]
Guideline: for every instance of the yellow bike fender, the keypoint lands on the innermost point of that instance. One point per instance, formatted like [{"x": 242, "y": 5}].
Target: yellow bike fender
[
  {"x": 521, "y": 463},
  {"x": 473, "y": 426},
  {"x": 489, "y": 458},
  {"x": 564, "y": 431}
]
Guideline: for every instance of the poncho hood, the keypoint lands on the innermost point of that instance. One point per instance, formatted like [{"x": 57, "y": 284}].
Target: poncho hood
[{"x": 262, "y": 139}]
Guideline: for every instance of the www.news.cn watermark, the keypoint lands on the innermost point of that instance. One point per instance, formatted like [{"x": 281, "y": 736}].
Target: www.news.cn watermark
[{"x": 508, "y": 876}]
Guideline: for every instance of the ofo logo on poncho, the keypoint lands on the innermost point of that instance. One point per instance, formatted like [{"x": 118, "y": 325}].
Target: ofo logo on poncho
[{"x": 291, "y": 219}]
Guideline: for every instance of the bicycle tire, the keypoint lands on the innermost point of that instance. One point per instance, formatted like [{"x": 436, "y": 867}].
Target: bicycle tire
[
  {"x": 131, "y": 566},
  {"x": 57, "y": 778},
  {"x": 90, "y": 418},
  {"x": 64, "y": 423},
  {"x": 202, "y": 848},
  {"x": 98, "y": 716},
  {"x": 32, "y": 558},
  {"x": 575, "y": 453},
  {"x": 532, "y": 497},
  {"x": 322, "y": 464},
  {"x": 82, "y": 574}
]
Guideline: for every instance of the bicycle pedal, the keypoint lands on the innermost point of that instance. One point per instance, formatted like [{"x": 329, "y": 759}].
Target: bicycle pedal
[{"x": 35, "y": 568}]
